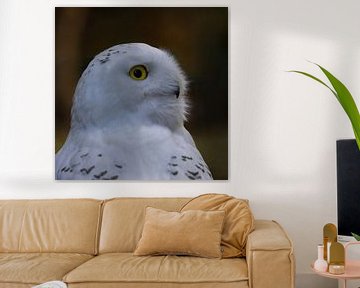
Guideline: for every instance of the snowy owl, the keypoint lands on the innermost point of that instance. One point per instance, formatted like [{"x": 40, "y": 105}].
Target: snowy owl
[{"x": 127, "y": 120}]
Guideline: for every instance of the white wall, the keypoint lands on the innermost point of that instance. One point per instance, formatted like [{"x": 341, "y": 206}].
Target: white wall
[{"x": 283, "y": 126}]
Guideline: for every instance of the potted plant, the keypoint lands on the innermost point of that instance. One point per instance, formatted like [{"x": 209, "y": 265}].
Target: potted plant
[{"x": 346, "y": 100}]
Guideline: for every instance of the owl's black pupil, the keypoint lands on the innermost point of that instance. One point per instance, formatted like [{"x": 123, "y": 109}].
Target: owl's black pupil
[{"x": 137, "y": 73}]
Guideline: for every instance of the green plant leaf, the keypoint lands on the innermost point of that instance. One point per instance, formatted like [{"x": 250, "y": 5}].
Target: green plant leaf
[
  {"x": 347, "y": 102},
  {"x": 344, "y": 97},
  {"x": 357, "y": 237},
  {"x": 316, "y": 79}
]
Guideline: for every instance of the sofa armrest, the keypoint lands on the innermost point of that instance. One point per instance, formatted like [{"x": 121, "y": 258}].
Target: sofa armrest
[{"x": 269, "y": 256}]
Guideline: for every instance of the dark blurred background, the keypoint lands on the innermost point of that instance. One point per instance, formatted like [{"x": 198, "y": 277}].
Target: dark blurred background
[{"x": 197, "y": 37}]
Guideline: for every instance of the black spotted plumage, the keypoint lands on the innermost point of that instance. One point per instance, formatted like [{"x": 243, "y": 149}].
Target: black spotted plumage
[
  {"x": 88, "y": 170},
  {"x": 186, "y": 166},
  {"x": 101, "y": 174}
]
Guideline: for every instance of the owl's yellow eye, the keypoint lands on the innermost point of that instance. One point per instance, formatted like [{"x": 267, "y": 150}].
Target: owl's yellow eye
[{"x": 138, "y": 72}]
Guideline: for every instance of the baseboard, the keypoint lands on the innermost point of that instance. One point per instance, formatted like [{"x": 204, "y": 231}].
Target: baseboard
[{"x": 310, "y": 280}]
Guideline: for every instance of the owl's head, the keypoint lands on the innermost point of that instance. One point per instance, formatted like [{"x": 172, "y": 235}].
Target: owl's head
[{"x": 130, "y": 84}]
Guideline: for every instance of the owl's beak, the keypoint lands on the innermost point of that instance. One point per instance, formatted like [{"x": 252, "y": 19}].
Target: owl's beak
[{"x": 177, "y": 91}]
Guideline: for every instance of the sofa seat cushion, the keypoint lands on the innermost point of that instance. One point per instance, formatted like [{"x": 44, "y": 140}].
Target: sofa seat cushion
[
  {"x": 127, "y": 268},
  {"x": 36, "y": 268}
]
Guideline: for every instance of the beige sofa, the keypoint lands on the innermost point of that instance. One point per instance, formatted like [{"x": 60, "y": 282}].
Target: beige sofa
[{"x": 89, "y": 243}]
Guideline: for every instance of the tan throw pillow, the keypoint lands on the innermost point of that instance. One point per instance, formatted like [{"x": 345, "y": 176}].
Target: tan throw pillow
[
  {"x": 196, "y": 233},
  {"x": 239, "y": 220}
]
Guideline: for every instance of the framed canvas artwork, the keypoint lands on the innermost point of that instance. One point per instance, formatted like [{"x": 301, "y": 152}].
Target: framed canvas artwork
[{"x": 141, "y": 93}]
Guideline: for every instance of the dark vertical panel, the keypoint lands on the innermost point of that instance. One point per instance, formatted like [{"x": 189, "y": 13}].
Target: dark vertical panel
[{"x": 348, "y": 184}]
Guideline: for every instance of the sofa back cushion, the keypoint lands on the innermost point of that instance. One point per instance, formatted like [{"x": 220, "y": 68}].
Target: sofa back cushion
[
  {"x": 123, "y": 220},
  {"x": 67, "y": 226},
  {"x": 238, "y": 224}
]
